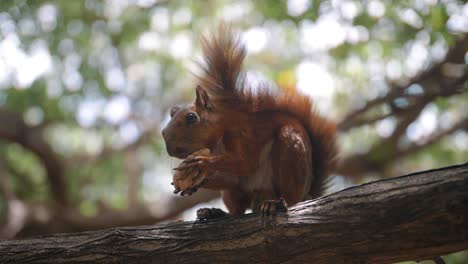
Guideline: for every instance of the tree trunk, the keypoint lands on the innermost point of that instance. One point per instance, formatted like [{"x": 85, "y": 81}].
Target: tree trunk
[{"x": 412, "y": 217}]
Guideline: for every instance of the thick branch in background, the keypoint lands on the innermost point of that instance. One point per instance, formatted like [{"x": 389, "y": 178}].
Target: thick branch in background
[
  {"x": 435, "y": 78},
  {"x": 32, "y": 139},
  {"x": 107, "y": 151},
  {"x": 436, "y": 81},
  {"x": 413, "y": 217}
]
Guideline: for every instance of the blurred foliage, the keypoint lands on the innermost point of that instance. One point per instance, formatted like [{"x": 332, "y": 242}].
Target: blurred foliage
[{"x": 97, "y": 74}]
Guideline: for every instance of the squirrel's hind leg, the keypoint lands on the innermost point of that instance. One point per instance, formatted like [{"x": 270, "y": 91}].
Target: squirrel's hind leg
[{"x": 292, "y": 163}]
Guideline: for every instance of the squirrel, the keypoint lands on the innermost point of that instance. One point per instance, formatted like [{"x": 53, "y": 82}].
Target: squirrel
[{"x": 263, "y": 147}]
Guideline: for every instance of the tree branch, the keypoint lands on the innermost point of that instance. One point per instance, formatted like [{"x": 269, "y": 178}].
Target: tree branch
[
  {"x": 433, "y": 138},
  {"x": 40, "y": 219},
  {"x": 108, "y": 151},
  {"x": 417, "y": 216},
  {"x": 32, "y": 139},
  {"x": 433, "y": 76}
]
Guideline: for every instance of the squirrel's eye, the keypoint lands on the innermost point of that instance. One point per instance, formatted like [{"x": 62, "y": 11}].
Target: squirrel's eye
[{"x": 191, "y": 118}]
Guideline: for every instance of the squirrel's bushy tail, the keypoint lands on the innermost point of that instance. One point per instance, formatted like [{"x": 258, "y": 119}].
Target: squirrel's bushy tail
[{"x": 223, "y": 55}]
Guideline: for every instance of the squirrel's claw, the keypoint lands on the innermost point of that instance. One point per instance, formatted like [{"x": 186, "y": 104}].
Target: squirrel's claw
[
  {"x": 193, "y": 189},
  {"x": 189, "y": 191},
  {"x": 190, "y": 165},
  {"x": 197, "y": 182},
  {"x": 185, "y": 165},
  {"x": 271, "y": 207}
]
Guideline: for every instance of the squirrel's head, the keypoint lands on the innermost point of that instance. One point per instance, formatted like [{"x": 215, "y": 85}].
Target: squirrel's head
[{"x": 192, "y": 128}]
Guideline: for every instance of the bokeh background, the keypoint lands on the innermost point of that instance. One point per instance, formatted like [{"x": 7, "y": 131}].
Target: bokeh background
[{"x": 85, "y": 87}]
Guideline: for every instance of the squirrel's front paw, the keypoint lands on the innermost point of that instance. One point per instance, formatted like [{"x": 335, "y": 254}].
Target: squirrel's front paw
[
  {"x": 187, "y": 181},
  {"x": 189, "y": 174},
  {"x": 201, "y": 160}
]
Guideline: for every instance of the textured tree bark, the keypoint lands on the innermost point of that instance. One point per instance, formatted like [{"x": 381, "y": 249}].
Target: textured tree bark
[{"x": 413, "y": 217}]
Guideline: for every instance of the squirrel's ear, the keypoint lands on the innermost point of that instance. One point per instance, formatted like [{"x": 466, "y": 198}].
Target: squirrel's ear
[
  {"x": 202, "y": 100},
  {"x": 174, "y": 110}
]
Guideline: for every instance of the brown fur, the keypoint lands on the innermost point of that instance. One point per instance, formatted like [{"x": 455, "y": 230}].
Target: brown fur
[{"x": 266, "y": 143}]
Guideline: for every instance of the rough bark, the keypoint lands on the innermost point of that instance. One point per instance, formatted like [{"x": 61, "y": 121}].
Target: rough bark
[{"x": 413, "y": 217}]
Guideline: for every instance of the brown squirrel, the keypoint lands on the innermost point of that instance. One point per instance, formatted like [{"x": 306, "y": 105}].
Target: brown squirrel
[{"x": 263, "y": 147}]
